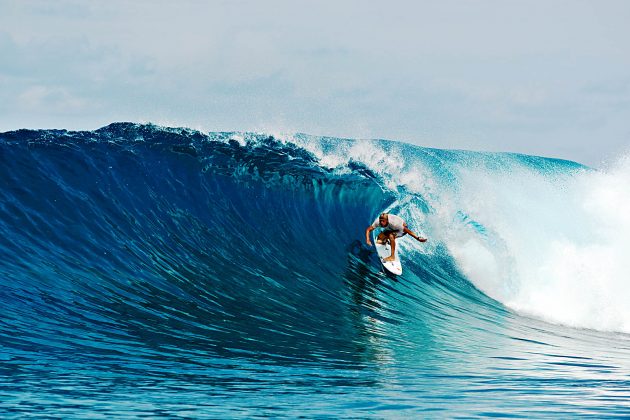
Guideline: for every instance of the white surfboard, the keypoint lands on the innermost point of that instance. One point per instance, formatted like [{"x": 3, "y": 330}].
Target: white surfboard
[{"x": 394, "y": 267}]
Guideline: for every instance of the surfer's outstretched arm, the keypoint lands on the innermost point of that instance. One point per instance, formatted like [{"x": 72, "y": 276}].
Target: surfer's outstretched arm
[
  {"x": 413, "y": 235},
  {"x": 367, "y": 234}
]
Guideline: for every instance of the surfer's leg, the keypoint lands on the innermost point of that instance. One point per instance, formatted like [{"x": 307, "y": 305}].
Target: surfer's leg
[
  {"x": 392, "y": 241},
  {"x": 383, "y": 237}
]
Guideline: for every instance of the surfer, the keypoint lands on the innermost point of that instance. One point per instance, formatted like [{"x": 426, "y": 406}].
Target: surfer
[{"x": 393, "y": 227}]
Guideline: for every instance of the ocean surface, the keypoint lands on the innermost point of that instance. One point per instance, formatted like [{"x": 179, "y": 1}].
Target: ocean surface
[{"x": 151, "y": 271}]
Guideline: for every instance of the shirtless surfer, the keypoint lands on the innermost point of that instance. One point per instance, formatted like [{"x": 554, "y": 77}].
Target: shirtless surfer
[{"x": 393, "y": 227}]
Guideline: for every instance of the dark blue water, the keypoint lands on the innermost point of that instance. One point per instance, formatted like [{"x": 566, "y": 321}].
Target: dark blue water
[{"x": 147, "y": 271}]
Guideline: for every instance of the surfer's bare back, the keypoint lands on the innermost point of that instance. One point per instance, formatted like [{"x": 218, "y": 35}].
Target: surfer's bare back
[{"x": 393, "y": 227}]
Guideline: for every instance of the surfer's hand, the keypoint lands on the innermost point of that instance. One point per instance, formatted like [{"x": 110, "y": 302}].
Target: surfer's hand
[
  {"x": 369, "y": 242},
  {"x": 421, "y": 239}
]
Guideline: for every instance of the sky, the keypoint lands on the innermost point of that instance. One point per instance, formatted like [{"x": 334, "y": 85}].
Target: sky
[{"x": 541, "y": 77}]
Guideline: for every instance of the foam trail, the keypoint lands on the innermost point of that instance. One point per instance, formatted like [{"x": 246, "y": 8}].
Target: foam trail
[
  {"x": 557, "y": 244},
  {"x": 584, "y": 278}
]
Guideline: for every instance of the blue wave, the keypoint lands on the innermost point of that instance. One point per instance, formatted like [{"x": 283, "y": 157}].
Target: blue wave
[{"x": 183, "y": 264}]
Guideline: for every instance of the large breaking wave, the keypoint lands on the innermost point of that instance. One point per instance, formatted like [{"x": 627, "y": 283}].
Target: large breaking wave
[{"x": 139, "y": 245}]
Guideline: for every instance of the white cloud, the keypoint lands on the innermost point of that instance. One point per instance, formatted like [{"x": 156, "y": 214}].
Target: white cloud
[{"x": 50, "y": 100}]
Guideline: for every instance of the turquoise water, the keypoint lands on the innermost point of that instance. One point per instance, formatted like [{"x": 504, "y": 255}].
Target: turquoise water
[{"x": 149, "y": 271}]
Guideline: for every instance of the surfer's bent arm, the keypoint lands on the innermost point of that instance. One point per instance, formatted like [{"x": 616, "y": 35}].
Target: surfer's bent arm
[
  {"x": 367, "y": 234},
  {"x": 413, "y": 235}
]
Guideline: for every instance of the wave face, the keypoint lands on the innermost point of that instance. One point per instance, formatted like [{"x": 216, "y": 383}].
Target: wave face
[{"x": 150, "y": 271}]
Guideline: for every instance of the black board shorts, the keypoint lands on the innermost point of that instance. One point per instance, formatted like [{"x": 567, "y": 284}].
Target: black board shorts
[{"x": 399, "y": 233}]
